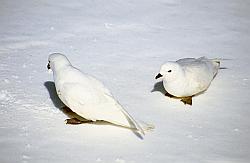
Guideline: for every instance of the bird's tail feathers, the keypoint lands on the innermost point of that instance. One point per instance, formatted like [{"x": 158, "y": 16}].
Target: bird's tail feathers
[
  {"x": 221, "y": 59},
  {"x": 218, "y": 61},
  {"x": 223, "y": 68},
  {"x": 133, "y": 123}
]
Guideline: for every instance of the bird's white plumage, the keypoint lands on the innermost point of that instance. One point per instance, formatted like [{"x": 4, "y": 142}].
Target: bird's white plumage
[
  {"x": 188, "y": 76},
  {"x": 87, "y": 96}
]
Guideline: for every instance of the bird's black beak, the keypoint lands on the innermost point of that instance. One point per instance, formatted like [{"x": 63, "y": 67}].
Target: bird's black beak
[
  {"x": 48, "y": 66},
  {"x": 158, "y": 76}
]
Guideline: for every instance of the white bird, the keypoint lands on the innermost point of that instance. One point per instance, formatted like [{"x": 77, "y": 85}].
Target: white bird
[
  {"x": 86, "y": 96},
  {"x": 188, "y": 77}
]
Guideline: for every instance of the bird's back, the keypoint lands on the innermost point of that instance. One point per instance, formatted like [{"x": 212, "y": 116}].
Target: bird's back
[
  {"x": 201, "y": 65},
  {"x": 72, "y": 75},
  {"x": 198, "y": 72}
]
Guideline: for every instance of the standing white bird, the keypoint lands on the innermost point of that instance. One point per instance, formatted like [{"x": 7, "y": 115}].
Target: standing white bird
[
  {"x": 188, "y": 77},
  {"x": 86, "y": 96}
]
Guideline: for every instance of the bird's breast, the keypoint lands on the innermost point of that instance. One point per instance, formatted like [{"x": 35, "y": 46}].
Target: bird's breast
[{"x": 178, "y": 88}]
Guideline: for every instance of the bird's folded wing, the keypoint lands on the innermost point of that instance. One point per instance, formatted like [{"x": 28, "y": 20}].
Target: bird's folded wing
[
  {"x": 80, "y": 99},
  {"x": 93, "y": 104},
  {"x": 99, "y": 85}
]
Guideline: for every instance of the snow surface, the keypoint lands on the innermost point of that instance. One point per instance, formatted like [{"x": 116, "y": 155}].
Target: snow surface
[{"x": 123, "y": 43}]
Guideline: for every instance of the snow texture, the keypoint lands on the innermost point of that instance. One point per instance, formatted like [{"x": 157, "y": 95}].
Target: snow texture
[{"x": 123, "y": 43}]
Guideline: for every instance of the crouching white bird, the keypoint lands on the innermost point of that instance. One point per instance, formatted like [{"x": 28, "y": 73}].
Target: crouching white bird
[
  {"x": 86, "y": 96},
  {"x": 188, "y": 77}
]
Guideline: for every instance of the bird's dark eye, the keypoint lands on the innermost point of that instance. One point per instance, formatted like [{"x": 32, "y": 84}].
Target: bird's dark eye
[{"x": 169, "y": 70}]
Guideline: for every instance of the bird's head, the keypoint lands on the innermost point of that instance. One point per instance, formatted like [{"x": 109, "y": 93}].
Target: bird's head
[
  {"x": 169, "y": 71},
  {"x": 57, "y": 61}
]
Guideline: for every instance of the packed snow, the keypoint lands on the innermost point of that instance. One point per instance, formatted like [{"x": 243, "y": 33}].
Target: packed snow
[{"x": 122, "y": 43}]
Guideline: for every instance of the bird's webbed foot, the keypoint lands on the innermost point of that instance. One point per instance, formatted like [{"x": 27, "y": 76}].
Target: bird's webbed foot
[
  {"x": 187, "y": 100},
  {"x": 75, "y": 121}
]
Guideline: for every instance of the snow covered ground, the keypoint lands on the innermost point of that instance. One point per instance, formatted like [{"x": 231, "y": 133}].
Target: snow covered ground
[{"x": 123, "y": 43}]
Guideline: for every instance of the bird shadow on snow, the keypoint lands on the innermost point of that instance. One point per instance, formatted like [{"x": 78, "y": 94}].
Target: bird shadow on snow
[
  {"x": 50, "y": 86},
  {"x": 158, "y": 87}
]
